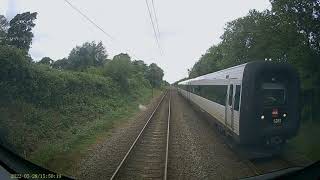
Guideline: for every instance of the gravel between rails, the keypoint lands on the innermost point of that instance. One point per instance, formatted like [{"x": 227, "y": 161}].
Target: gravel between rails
[
  {"x": 103, "y": 158},
  {"x": 147, "y": 158},
  {"x": 196, "y": 151}
]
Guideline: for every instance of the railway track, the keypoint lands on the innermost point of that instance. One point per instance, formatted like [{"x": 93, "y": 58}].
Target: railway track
[{"x": 147, "y": 157}]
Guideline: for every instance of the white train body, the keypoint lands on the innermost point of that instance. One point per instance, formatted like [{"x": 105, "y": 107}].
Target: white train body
[{"x": 237, "y": 99}]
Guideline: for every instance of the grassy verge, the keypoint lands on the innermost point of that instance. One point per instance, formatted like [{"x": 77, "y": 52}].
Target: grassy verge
[
  {"x": 62, "y": 154},
  {"x": 307, "y": 141},
  {"x": 51, "y": 116}
]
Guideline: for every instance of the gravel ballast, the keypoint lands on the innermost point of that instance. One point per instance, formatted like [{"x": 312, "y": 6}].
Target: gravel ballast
[
  {"x": 104, "y": 157},
  {"x": 196, "y": 151}
]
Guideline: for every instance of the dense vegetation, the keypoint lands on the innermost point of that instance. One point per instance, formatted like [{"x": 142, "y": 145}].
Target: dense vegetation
[
  {"x": 51, "y": 107},
  {"x": 289, "y": 32}
]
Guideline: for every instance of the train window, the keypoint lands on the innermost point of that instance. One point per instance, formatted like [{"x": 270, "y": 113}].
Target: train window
[
  {"x": 215, "y": 93},
  {"x": 196, "y": 89},
  {"x": 230, "y": 95},
  {"x": 273, "y": 94},
  {"x": 273, "y": 97},
  {"x": 237, "y": 98}
]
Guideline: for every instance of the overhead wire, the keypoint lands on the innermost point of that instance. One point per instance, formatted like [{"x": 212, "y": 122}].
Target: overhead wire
[
  {"x": 96, "y": 25},
  {"x": 156, "y": 18},
  {"x": 153, "y": 27},
  {"x": 91, "y": 21}
]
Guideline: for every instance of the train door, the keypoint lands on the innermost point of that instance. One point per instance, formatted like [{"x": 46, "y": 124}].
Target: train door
[{"x": 229, "y": 106}]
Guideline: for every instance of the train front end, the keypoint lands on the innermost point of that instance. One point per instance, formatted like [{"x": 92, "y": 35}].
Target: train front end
[{"x": 272, "y": 96}]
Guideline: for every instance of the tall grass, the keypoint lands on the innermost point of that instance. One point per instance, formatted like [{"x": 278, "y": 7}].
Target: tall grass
[{"x": 307, "y": 140}]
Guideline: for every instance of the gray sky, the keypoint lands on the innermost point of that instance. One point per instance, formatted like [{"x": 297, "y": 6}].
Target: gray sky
[{"x": 187, "y": 28}]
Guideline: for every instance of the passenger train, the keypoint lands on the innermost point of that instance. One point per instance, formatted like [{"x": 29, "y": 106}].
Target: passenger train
[{"x": 256, "y": 103}]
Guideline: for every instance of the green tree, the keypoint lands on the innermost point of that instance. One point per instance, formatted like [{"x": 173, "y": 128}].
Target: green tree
[
  {"x": 4, "y": 25},
  {"x": 154, "y": 75},
  {"x": 120, "y": 70},
  {"x": 20, "y": 31},
  {"x": 14, "y": 71},
  {"x": 257, "y": 36},
  {"x": 89, "y": 54},
  {"x": 288, "y": 33},
  {"x": 123, "y": 57},
  {"x": 208, "y": 62},
  {"x": 139, "y": 67},
  {"x": 46, "y": 60},
  {"x": 61, "y": 64},
  {"x": 304, "y": 15}
]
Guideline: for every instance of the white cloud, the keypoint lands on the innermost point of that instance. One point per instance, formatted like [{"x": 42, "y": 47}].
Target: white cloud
[{"x": 188, "y": 28}]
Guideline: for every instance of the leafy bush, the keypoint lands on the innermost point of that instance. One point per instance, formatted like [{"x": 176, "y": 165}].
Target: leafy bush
[
  {"x": 14, "y": 71},
  {"x": 48, "y": 103}
]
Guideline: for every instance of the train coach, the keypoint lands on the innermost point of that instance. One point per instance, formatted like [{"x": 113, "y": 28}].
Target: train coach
[{"x": 256, "y": 103}]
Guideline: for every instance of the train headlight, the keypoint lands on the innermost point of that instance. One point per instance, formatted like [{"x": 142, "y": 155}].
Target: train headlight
[
  {"x": 262, "y": 117},
  {"x": 284, "y": 115}
]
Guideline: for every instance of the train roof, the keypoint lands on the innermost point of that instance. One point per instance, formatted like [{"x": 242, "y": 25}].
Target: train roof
[
  {"x": 219, "y": 77},
  {"x": 235, "y": 73}
]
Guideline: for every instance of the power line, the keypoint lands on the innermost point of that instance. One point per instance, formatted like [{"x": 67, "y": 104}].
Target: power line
[
  {"x": 96, "y": 25},
  {"x": 87, "y": 18},
  {"x": 157, "y": 24},
  {"x": 155, "y": 18},
  {"x": 153, "y": 27}
]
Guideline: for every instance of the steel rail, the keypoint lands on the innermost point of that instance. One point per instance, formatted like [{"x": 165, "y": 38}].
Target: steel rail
[
  {"x": 137, "y": 138},
  {"x": 167, "y": 146}
]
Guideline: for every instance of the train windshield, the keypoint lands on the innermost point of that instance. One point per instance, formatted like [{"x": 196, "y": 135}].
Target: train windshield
[{"x": 273, "y": 94}]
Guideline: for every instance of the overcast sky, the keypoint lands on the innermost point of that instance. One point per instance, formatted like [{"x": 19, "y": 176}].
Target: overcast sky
[{"x": 187, "y": 28}]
